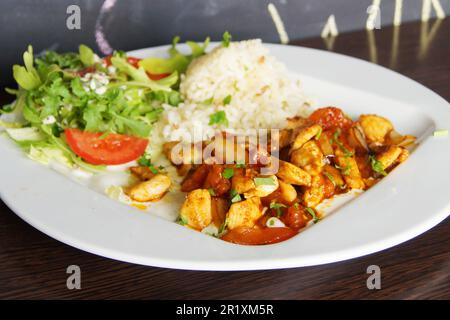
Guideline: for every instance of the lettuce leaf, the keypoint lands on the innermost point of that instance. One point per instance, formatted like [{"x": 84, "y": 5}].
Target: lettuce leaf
[
  {"x": 27, "y": 76},
  {"x": 177, "y": 61},
  {"x": 25, "y": 134},
  {"x": 139, "y": 75},
  {"x": 86, "y": 55}
]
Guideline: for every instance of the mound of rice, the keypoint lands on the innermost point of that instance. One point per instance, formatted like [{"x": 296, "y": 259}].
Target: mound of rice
[{"x": 262, "y": 94}]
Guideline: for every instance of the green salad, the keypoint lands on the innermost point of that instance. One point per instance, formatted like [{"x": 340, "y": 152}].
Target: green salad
[{"x": 87, "y": 111}]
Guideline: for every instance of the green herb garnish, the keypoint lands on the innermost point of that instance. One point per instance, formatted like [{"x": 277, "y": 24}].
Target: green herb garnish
[
  {"x": 227, "y": 100},
  {"x": 277, "y": 207},
  {"x": 219, "y": 118},
  {"x": 182, "y": 221},
  {"x": 211, "y": 192},
  {"x": 208, "y": 102},
  {"x": 228, "y": 173},
  {"x": 269, "y": 181},
  {"x": 330, "y": 177},
  {"x": 226, "y": 39},
  {"x": 313, "y": 214},
  {"x": 347, "y": 153},
  {"x": 317, "y": 137},
  {"x": 145, "y": 161},
  {"x": 377, "y": 166},
  {"x": 240, "y": 165},
  {"x": 234, "y": 196},
  {"x": 222, "y": 229}
]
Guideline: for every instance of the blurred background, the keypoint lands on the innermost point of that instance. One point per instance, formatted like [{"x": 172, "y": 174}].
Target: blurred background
[{"x": 127, "y": 25}]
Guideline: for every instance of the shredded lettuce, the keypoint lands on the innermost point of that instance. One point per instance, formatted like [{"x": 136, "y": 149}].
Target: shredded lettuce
[
  {"x": 53, "y": 95},
  {"x": 26, "y": 134},
  {"x": 7, "y": 124},
  {"x": 46, "y": 154}
]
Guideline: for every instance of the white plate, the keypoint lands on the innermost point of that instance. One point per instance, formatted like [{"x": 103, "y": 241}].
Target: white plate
[{"x": 412, "y": 199}]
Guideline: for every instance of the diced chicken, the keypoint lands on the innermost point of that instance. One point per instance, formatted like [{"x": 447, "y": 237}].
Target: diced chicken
[
  {"x": 242, "y": 181},
  {"x": 315, "y": 193},
  {"x": 263, "y": 190},
  {"x": 142, "y": 173},
  {"x": 325, "y": 145},
  {"x": 305, "y": 135},
  {"x": 403, "y": 156},
  {"x": 375, "y": 127},
  {"x": 244, "y": 213},
  {"x": 196, "y": 209},
  {"x": 309, "y": 157},
  {"x": 196, "y": 179},
  {"x": 288, "y": 193},
  {"x": 370, "y": 182},
  {"x": 388, "y": 157},
  {"x": 150, "y": 190},
  {"x": 334, "y": 175},
  {"x": 183, "y": 169},
  {"x": 284, "y": 138},
  {"x": 296, "y": 122},
  {"x": 349, "y": 170},
  {"x": 357, "y": 139},
  {"x": 292, "y": 174},
  {"x": 397, "y": 139}
]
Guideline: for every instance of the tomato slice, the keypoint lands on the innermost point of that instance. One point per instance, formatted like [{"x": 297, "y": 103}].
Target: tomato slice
[
  {"x": 110, "y": 149},
  {"x": 295, "y": 217},
  {"x": 330, "y": 117},
  {"x": 257, "y": 236},
  {"x": 135, "y": 63},
  {"x": 157, "y": 76}
]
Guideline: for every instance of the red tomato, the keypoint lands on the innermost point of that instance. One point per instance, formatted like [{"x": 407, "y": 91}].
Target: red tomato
[
  {"x": 214, "y": 180},
  {"x": 294, "y": 217},
  {"x": 110, "y": 149},
  {"x": 81, "y": 73},
  {"x": 157, "y": 76},
  {"x": 330, "y": 117},
  {"x": 328, "y": 189},
  {"x": 257, "y": 236},
  {"x": 135, "y": 63},
  {"x": 196, "y": 180}
]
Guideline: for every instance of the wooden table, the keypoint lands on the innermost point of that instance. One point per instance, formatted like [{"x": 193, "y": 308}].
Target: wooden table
[{"x": 33, "y": 265}]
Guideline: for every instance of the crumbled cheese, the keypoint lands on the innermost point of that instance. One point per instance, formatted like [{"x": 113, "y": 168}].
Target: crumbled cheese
[
  {"x": 112, "y": 69},
  {"x": 49, "y": 120},
  {"x": 100, "y": 90}
]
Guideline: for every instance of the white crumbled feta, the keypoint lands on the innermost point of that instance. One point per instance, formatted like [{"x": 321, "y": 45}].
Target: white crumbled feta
[
  {"x": 100, "y": 90},
  {"x": 49, "y": 120},
  {"x": 112, "y": 69},
  {"x": 93, "y": 84}
]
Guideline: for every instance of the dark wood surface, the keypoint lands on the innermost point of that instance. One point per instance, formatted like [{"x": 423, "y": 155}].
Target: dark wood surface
[{"x": 33, "y": 265}]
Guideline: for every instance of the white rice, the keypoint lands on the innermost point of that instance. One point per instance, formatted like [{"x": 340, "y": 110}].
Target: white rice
[{"x": 262, "y": 94}]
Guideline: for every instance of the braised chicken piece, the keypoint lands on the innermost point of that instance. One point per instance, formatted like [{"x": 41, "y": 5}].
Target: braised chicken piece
[
  {"x": 270, "y": 192},
  {"x": 150, "y": 190}
]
